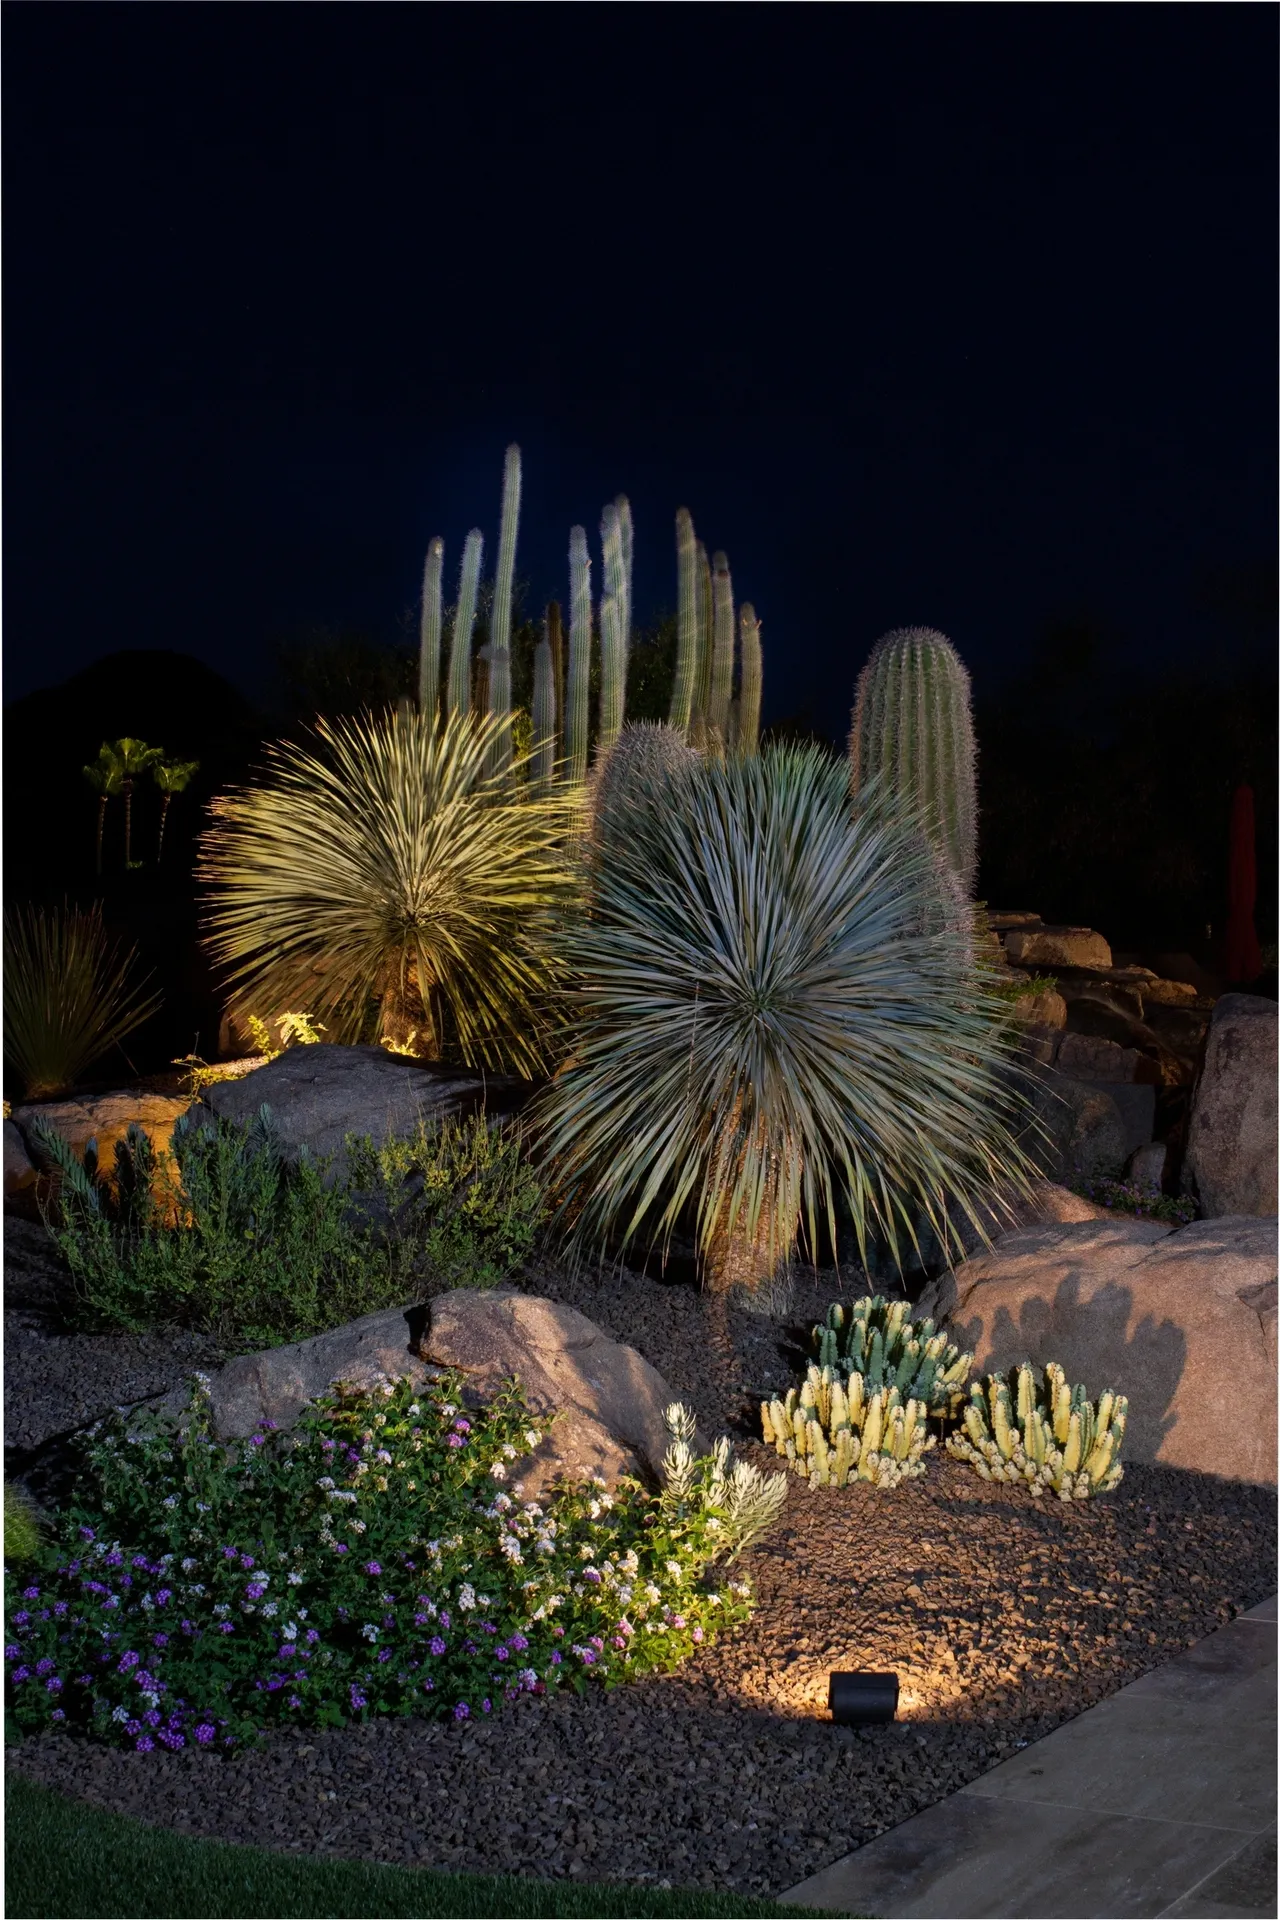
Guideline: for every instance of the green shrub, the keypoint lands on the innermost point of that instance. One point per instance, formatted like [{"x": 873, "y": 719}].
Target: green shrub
[
  {"x": 21, "y": 1525},
  {"x": 1125, "y": 1196},
  {"x": 258, "y": 1246},
  {"x": 372, "y": 1561},
  {"x": 760, "y": 1024},
  {"x": 69, "y": 995}
]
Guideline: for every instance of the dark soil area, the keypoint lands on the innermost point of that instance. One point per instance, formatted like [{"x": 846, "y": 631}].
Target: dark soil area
[{"x": 1002, "y": 1617}]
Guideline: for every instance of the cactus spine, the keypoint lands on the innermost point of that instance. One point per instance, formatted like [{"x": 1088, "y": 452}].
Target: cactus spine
[
  {"x": 687, "y": 659},
  {"x": 752, "y": 690},
  {"x": 913, "y": 731},
  {"x": 1048, "y": 1437},
  {"x": 578, "y": 705},
  {"x": 463, "y": 622},
  {"x": 500, "y": 629},
  {"x": 832, "y": 1431},
  {"x": 430, "y": 629},
  {"x": 879, "y": 1341},
  {"x": 721, "y": 691},
  {"x": 544, "y": 716}
]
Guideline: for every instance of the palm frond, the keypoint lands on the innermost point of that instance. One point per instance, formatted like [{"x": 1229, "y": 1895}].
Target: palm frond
[
  {"x": 395, "y": 865},
  {"x": 69, "y": 995},
  {"x": 769, "y": 1011}
]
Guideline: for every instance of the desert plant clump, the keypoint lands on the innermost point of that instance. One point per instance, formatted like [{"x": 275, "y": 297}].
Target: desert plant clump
[
  {"x": 878, "y": 1339},
  {"x": 1047, "y": 1436},
  {"x": 70, "y": 995},
  {"x": 1146, "y": 1203},
  {"x": 370, "y": 1562},
  {"x": 23, "y": 1535},
  {"x": 236, "y": 1236},
  {"x": 400, "y": 869},
  {"x": 758, "y": 1023},
  {"x": 836, "y": 1428}
]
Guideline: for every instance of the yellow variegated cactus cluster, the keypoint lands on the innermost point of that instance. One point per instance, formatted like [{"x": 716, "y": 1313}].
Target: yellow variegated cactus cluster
[
  {"x": 833, "y": 1432},
  {"x": 1057, "y": 1439}
]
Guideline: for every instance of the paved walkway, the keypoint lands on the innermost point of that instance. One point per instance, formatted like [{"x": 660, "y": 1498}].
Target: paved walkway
[{"x": 1159, "y": 1801}]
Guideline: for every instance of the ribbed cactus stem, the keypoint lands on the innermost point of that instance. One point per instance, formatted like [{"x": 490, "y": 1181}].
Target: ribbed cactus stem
[
  {"x": 613, "y": 676},
  {"x": 627, "y": 532},
  {"x": 463, "y": 623},
  {"x": 913, "y": 730},
  {"x": 503, "y": 587},
  {"x": 687, "y": 661},
  {"x": 544, "y": 715},
  {"x": 752, "y": 693},
  {"x": 703, "y": 605},
  {"x": 578, "y": 704},
  {"x": 429, "y": 632},
  {"x": 721, "y": 693}
]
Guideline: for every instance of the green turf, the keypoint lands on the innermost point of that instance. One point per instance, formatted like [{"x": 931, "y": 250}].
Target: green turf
[{"x": 68, "y": 1861}]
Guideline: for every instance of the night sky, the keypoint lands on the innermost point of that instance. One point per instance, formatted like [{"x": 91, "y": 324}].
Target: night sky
[{"x": 954, "y": 315}]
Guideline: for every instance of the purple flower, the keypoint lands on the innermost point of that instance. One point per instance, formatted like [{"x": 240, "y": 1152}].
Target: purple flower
[
  {"x": 132, "y": 1726},
  {"x": 518, "y": 1643},
  {"x": 246, "y": 1561},
  {"x": 21, "y": 1619},
  {"x": 556, "y": 1658},
  {"x": 57, "y": 1714},
  {"x": 160, "y": 1640},
  {"x": 697, "y": 1634},
  {"x": 152, "y": 1719},
  {"x": 312, "y": 1636},
  {"x": 13, "y": 1653},
  {"x": 437, "y": 1645},
  {"x": 421, "y": 1619},
  {"x": 587, "y": 1657},
  {"x": 384, "y": 1655},
  {"x": 462, "y": 1711},
  {"x": 127, "y": 1660},
  {"x": 340, "y": 1549},
  {"x": 358, "y": 1700},
  {"x": 86, "y": 1533},
  {"x": 204, "y": 1733},
  {"x": 226, "y": 1626},
  {"x": 372, "y": 1566},
  {"x": 31, "y": 1593},
  {"x": 43, "y": 1667},
  {"x": 294, "y": 1700},
  {"x": 114, "y": 1560},
  {"x": 455, "y": 1440},
  {"x": 173, "y": 1740},
  {"x": 486, "y": 1706},
  {"x": 164, "y": 1596},
  {"x": 229, "y": 1553},
  {"x": 255, "y": 1590},
  {"x": 54, "y": 1685},
  {"x": 502, "y": 1653},
  {"x": 60, "y": 1607},
  {"x": 462, "y": 1426},
  {"x": 445, "y": 1622},
  {"x": 140, "y": 1560},
  {"x": 590, "y": 1573},
  {"x": 20, "y": 1674},
  {"x": 144, "y": 1743},
  {"x": 259, "y": 1440}
]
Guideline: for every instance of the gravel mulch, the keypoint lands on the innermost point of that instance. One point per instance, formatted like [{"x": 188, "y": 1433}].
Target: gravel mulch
[{"x": 1002, "y": 1617}]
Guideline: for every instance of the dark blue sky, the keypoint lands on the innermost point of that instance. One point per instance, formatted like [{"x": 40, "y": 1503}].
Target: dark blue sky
[{"x": 958, "y": 315}]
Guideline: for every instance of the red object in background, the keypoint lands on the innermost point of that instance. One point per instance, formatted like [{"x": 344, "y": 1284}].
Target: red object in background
[{"x": 1244, "y": 955}]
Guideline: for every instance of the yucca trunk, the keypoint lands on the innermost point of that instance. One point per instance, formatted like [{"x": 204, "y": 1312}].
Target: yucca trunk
[
  {"x": 102, "y": 821},
  {"x": 165, "y": 801},
  {"x": 405, "y": 1019},
  {"x": 126, "y": 788}
]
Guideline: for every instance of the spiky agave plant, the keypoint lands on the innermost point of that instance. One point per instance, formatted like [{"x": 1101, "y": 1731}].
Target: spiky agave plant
[
  {"x": 70, "y": 995},
  {"x": 763, "y": 1019},
  {"x": 397, "y": 865}
]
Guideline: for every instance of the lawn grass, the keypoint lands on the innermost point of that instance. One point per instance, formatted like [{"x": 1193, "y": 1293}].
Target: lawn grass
[{"x": 68, "y": 1861}]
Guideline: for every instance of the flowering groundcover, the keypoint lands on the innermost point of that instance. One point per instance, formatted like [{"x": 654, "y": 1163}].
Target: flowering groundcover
[{"x": 376, "y": 1559}]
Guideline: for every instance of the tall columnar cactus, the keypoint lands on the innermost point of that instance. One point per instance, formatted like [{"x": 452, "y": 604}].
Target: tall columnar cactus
[
  {"x": 688, "y": 662},
  {"x": 752, "y": 689},
  {"x": 721, "y": 691},
  {"x": 878, "y": 1339},
  {"x": 834, "y": 1430},
  {"x": 544, "y": 715},
  {"x": 704, "y": 603},
  {"x": 913, "y": 730},
  {"x": 500, "y": 629},
  {"x": 577, "y": 704},
  {"x": 613, "y": 628},
  {"x": 463, "y": 622},
  {"x": 430, "y": 630},
  {"x": 1047, "y": 1436}
]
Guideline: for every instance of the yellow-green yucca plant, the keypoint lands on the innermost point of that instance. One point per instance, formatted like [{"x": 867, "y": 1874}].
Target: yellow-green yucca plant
[
  {"x": 70, "y": 995},
  {"x": 769, "y": 1013},
  {"x": 400, "y": 867}
]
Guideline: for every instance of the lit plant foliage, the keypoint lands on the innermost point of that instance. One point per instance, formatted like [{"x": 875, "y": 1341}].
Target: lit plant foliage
[
  {"x": 378, "y": 1560},
  {"x": 760, "y": 1024},
  {"x": 1054, "y": 1439},
  {"x": 833, "y": 1431},
  {"x": 403, "y": 867},
  {"x": 69, "y": 995},
  {"x": 878, "y": 1339}
]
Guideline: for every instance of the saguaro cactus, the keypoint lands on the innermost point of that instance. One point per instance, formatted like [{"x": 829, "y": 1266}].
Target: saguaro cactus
[
  {"x": 577, "y": 716},
  {"x": 721, "y": 691},
  {"x": 687, "y": 661},
  {"x": 544, "y": 714},
  {"x": 613, "y": 628},
  {"x": 913, "y": 730},
  {"x": 500, "y": 630},
  {"x": 752, "y": 689},
  {"x": 463, "y": 622},
  {"x": 704, "y": 603},
  {"x": 430, "y": 630}
]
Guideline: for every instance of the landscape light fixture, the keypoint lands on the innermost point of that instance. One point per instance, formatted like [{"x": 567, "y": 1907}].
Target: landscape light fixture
[{"x": 862, "y": 1699}]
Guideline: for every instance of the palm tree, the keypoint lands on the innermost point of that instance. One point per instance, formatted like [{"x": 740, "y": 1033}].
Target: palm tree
[
  {"x": 171, "y": 776},
  {"x": 135, "y": 756},
  {"x": 104, "y": 777}
]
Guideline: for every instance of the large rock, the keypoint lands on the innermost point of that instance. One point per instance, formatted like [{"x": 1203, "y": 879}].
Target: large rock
[
  {"x": 1056, "y": 947},
  {"x": 608, "y": 1401},
  {"x": 19, "y": 1174},
  {"x": 1230, "y": 1161},
  {"x": 106, "y": 1118},
  {"x": 1183, "y": 1323},
  {"x": 319, "y": 1094},
  {"x": 1087, "y": 1134}
]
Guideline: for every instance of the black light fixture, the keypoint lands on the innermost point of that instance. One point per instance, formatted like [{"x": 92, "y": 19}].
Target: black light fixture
[{"x": 862, "y": 1699}]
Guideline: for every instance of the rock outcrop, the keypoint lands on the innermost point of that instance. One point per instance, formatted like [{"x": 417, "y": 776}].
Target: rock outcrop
[{"x": 1230, "y": 1161}]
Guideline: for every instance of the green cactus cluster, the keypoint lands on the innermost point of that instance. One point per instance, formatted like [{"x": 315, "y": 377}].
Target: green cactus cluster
[
  {"x": 878, "y": 1339},
  {"x": 704, "y": 706},
  {"x": 1044, "y": 1435},
  {"x": 832, "y": 1431}
]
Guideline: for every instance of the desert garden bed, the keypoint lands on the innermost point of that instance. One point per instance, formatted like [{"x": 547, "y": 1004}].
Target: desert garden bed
[{"x": 1002, "y": 1615}]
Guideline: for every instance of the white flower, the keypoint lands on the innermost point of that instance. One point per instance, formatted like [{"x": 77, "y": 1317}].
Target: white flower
[
  {"x": 624, "y": 1594},
  {"x": 674, "y": 1569},
  {"x": 295, "y": 1579},
  {"x": 467, "y": 1597},
  {"x": 510, "y": 1547},
  {"x": 120, "y": 1713},
  {"x": 532, "y": 1435},
  {"x": 188, "y": 1566},
  {"x": 448, "y": 1411},
  {"x": 369, "y": 1632},
  {"x": 508, "y": 1452},
  {"x": 382, "y": 1457},
  {"x": 220, "y": 1613},
  {"x": 197, "y": 1590},
  {"x": 484, "y": 1600},
  {"x": 362, "y": 1466},
  {"x": 594, "y": 1509},
  {"x": 325, "y": 1482},
  {"x": 202, "y": 1506},
  {"x": 357, "y": 1526},
  {"x": 270, "y": 1609},
  {"x": 497, "y": 1471},
  {"x": 171, "y": 1501},
  {"x": 152, "y": 1699},
  {"x": 290, "y": 1629},
  {"x": 302, "y": 1613},
  {"x": 148, "y": 1602},
  {"x": 653, "y": 1593},
  {"x": 414, "y": 1409}
]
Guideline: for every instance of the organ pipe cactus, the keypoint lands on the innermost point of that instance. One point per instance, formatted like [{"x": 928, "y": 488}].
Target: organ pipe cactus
[
  {"x": 430, "y": 631},
  {"x": 577, "y": 705},
  {"x": 912, "y": 735},
  {"x": 721, "y": 691},
  {"x": 752, "y": 680},
  {"x": 832, "y": 1431},
  {"x": 503, "y": 587},
  {"x": 544, "y": 715},
  {"x": 1047, "y": 1436},
  {"x": 687, "y": 650},
  {"x": 463, "y": 622},
  {"x": 878, "y": 1339}
]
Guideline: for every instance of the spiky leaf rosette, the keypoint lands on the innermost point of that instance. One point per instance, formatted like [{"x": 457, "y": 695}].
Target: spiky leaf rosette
[
  {"x": 70, "y": 995},
  {"x": 761, "y": 1021},
  {"x": 395, "y": 865}
]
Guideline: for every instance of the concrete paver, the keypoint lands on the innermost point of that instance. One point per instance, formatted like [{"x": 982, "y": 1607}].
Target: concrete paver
[{"x": 1159, "y": 1801}]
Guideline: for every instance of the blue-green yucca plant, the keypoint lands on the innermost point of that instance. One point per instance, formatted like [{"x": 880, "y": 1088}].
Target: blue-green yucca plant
[
  {"x": 768, "y": 1015},
  {"x": 912, "y": 738}
]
